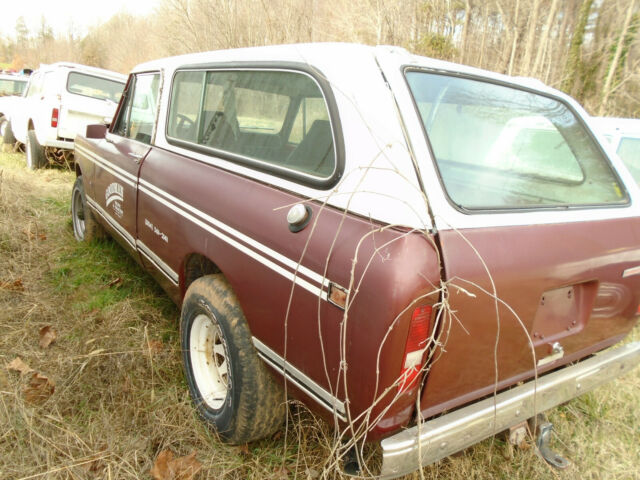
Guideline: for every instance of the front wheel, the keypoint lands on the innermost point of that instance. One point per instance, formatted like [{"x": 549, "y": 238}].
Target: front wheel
[
  {"x": 229, "y": 384},
  {"x": 85, "y": 226},
  {"x": 35, "y": 153}
]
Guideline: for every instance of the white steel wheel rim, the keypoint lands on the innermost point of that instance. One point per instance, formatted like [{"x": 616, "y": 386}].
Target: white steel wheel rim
[
  {"x": 78, "y": 214},
  {"x": 209, "y": 361}
]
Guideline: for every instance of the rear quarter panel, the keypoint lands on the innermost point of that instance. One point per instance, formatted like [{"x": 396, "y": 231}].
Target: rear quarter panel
[{"x": 200, "y": 209}]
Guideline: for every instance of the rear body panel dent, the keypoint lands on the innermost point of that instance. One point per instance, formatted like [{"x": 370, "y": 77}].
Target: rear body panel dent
[{"x": 527, "y": 263}]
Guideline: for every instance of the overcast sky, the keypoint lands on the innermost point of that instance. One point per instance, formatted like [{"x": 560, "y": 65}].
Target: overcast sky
[{"x": 62, "y": 15}]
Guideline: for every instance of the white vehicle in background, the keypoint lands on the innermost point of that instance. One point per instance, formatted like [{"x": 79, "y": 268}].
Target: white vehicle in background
[
  {"x": 11, "y": 86},
  {"x": 61, "y": 99},
  {"x": 623, "y": 135}
]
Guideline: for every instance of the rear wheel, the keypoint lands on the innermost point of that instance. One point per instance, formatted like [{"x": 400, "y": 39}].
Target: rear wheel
[
  {"x": 6, "y": 134},
  {"x": 85, "y": 227},
  {"x": 229, "y": 384},
  {"x": 35, "y": 152}
]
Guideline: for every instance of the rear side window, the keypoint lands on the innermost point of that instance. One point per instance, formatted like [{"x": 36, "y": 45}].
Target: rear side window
[
  {"x": 629, "y": 152},
  {"x": 499, "y": 147},
  {"x": 277, "y": 119},
  {"x": 94, "y": 87}
]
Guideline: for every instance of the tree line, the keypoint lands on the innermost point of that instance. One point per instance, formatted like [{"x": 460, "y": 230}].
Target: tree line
[{"x": 587, "y": 48}]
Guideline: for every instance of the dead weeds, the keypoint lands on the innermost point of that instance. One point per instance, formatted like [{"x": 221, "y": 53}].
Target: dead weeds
[{"x": 108, "y": 397}]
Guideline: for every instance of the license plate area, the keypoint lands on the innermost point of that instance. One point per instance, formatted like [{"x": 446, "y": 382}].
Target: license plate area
[{"x": 562, "y": 312}]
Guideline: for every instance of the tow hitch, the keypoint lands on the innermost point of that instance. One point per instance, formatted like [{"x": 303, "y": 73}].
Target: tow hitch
[{"x": 543, "y": 438}]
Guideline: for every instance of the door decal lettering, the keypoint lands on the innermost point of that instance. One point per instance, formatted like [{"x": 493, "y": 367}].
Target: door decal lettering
[
  {"x": 115, "y": 195},
  {"x": 156, "y": 230}
]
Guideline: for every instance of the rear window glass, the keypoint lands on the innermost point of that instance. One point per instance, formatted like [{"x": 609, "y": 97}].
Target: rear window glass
[
  {"x": 629, "y": 152},
  {"x": 12, "y": 87},
  {"x": 94, "y": 87},
  {"x": 272, "y": 117},
  {"x": 498, "y": 147}
]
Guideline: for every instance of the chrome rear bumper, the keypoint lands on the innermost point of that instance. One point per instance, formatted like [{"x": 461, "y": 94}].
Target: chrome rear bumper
[{"x": 450, "y": 433}]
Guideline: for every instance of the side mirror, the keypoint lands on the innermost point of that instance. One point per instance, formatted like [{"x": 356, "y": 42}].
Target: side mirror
[{"x": 96, "y": 131}]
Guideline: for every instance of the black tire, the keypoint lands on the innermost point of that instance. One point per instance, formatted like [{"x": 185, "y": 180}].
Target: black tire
[
  {"x": 249, "y": 404},
  {"x": 6, "y": 134},
  {"x": 35, "y": 153},
  {"x": 85, "y": 226}
]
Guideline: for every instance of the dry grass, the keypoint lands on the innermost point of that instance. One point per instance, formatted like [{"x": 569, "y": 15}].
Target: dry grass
[{"x": 120, "y": 396}]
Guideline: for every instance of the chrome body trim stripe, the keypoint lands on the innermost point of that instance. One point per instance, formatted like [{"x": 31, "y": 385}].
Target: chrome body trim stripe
[
  {"x": 208, "y": 223},
  {"x": 154, "y": 259},
  {"x": 629, "y": 272},
  {"x": 111, "y": 221},
  {"x": 234, "y": 243},
  {"x": 434, "y": 439},
  {"x": 241, "y": 236},
  {"x": 299, "y": 379}
]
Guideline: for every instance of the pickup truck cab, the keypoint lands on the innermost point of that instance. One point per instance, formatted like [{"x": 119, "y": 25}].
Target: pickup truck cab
[
  {"x": 422, "y": 252},
  {"x": 60, "y": 100}
]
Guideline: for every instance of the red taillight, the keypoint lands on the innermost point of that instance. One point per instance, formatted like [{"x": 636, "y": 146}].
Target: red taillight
[
  {"x": 415, "y": 347},
  {"x": 54, "y": 117}
]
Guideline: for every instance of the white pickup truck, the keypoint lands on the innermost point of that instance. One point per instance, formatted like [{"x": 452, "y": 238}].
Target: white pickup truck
[{"x": 61, "y": 99}]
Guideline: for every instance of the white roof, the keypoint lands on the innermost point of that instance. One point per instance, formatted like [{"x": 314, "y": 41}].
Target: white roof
[
  {"x": 617, "y": 126},
  {"x": 101, "y": 72},
  {"x": 15, "y": 77},
  {"x": 320, "y": 54}
]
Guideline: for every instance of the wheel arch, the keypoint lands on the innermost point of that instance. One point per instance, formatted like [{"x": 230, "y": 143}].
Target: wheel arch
[
  {"x": 194, "y": 266},
  {"x": 31, "y": 125}
]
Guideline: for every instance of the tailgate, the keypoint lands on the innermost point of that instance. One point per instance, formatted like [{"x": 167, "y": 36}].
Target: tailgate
[
  {"x": 76, "y": 112},
  {"x": 562, "y": 294},
  {"x": 539, "y": 236}
]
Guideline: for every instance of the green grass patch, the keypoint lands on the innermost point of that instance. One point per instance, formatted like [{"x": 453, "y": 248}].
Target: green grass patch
[{"x": 100, "y": 274}]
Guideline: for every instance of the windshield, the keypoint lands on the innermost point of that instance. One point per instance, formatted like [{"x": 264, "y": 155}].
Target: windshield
[
  {"x": 498, "y": 147},
  {"x": 95, "y": 87},
  {"x": 629, "y": 152},
  {"x": 12, "y": 87}
]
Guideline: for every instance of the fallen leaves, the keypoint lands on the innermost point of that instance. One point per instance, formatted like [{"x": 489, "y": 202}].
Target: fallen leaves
[
  {"x": 166, "y": 467},
  {"x": 39, "y": 388},
  {"x": 155, "y": 346},
  {"x": 18, "y": 365},
  {"x": 244, "y": 450},
  {"x": 48, "y": 335},
  {"x": 312, "y": 473},
  {"x": 280, "y": 473},
  {"x": 34, "y": 235},
  {"x": 116, "y": 282},
  {"x": 14, "y": 286}
]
